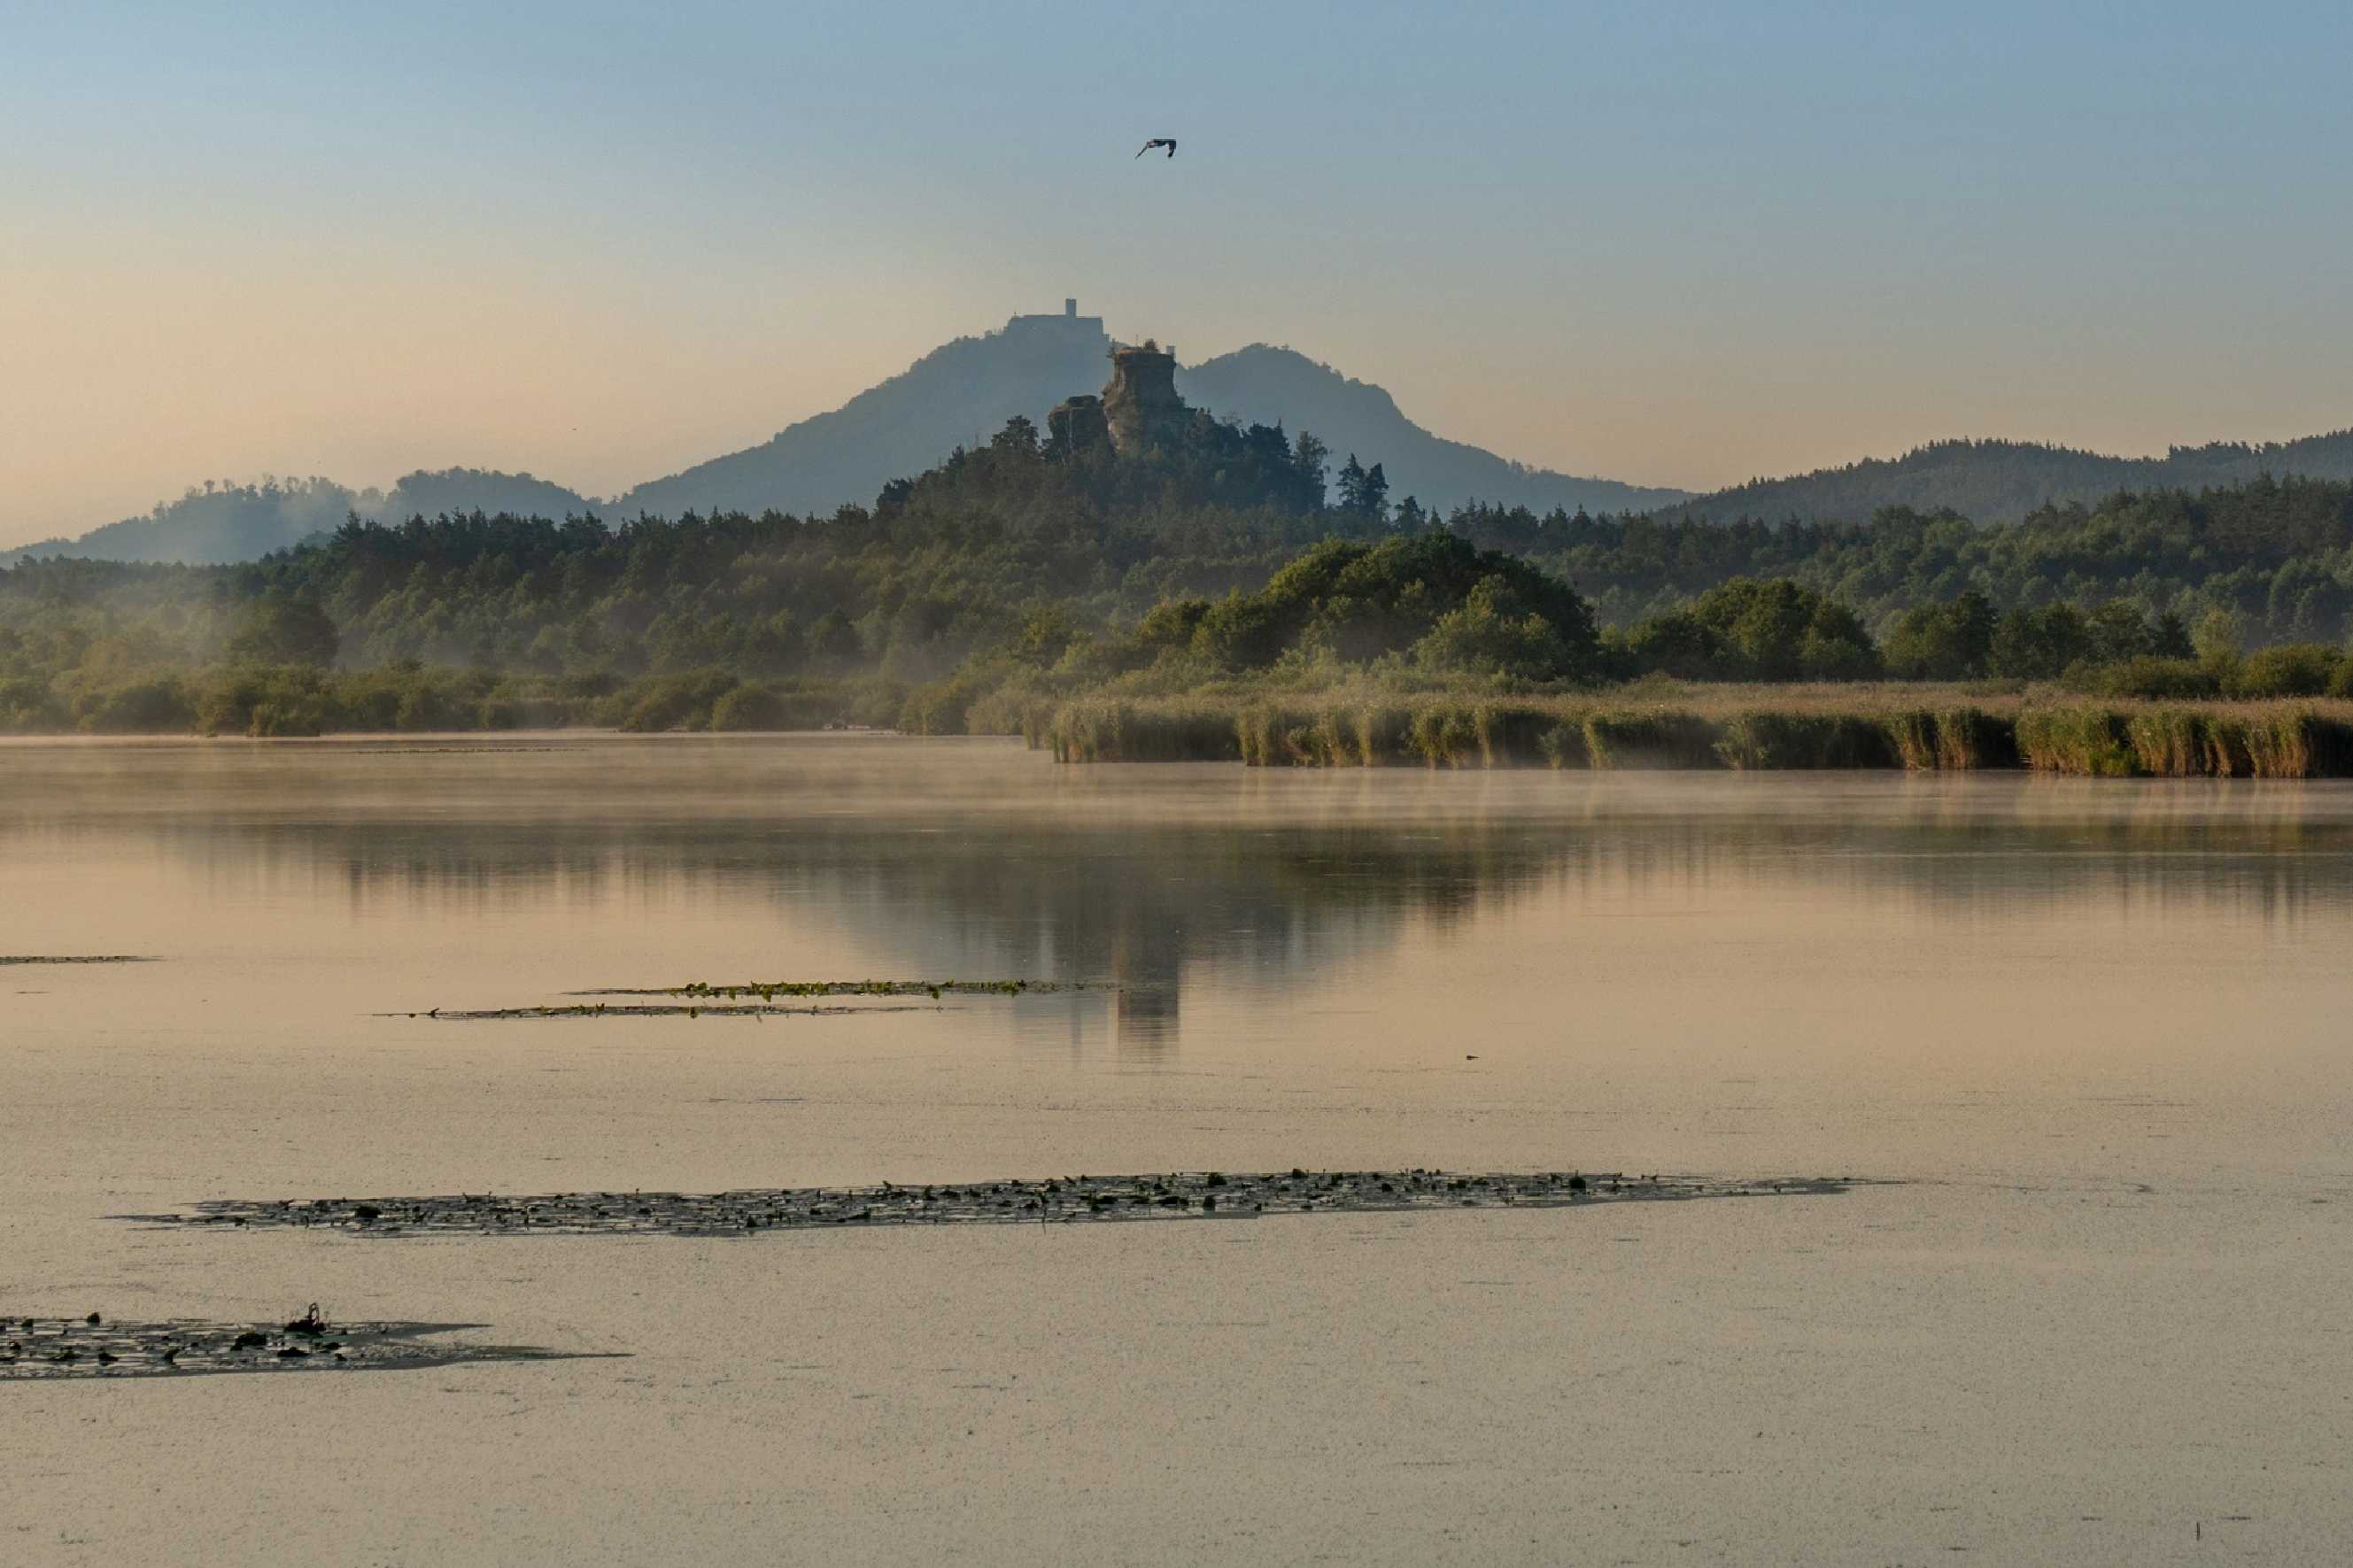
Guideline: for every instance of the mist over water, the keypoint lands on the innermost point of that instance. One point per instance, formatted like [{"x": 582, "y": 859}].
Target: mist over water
[{"x": 2095, "y": 1028}]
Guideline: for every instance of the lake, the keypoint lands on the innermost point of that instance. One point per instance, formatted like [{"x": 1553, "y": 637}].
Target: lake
[{"x": 2083, "y": 1043}]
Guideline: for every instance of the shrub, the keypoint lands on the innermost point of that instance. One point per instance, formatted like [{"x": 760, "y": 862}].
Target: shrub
[
  {"x": 2162, "y": 679},
  {"x": 280, "y": 630},
  {"x": 2290, "y": 669},
  {"x": 669, "y": 701},
  {"x": 750, "y": 706},
  {"x": 28, "y": 705},
  {"x": 141, "y": 707}
]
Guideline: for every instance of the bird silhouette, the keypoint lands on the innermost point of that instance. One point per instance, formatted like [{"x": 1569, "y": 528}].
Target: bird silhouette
[{"x": 1168, "y": 142}]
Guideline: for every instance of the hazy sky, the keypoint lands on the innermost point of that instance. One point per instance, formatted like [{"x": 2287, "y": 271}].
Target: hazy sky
[{"x": 1670, "y": 243}]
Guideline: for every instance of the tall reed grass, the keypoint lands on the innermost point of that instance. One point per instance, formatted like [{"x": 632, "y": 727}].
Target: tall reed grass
[{"x": 2095, "y": 739}]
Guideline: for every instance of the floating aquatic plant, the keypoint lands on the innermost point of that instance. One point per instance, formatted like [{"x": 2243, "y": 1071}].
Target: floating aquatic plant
[
  {"x": 36, "y": 1347},
  {"x": 1042, "y": 1200}
]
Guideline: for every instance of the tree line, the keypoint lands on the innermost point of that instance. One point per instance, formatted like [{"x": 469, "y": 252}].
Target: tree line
[{"x": 1022, "y": 563}]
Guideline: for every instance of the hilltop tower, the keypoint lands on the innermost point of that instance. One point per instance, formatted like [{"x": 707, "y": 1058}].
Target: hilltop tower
[
  {"x": 1141, "y": 404},
  {"x": 1065, "y": 323}
]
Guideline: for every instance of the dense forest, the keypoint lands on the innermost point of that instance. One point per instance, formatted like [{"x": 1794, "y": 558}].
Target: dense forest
[
  {"x": 1018, "y": 570},
  {"x": 2003, "y": 481}
]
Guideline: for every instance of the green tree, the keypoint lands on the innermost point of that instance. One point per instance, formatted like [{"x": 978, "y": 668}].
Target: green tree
[
  {"x": 1363, "y": 492},
  {"x": 1308, "y": 459},
  {"x": 1491, "y": 632},
  {"x": 2119, "y": 632},
  {"x": 279, "y": 628},
  {"x": 2221, "y": 634},
  {"x": 834, "y": 640},
  {"x": 2036, "y": 645},
  {"x": 1951, "y": 641}
]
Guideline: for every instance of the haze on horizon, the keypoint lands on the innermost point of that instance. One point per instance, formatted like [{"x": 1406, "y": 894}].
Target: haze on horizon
[{"x": 600, "y": 242}]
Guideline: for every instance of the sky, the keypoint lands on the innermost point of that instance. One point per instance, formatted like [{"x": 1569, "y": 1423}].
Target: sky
[{"x": 1668, "y": 243}]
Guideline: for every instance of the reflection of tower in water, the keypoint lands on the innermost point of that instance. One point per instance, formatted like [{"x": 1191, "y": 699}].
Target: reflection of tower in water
[
  {"x": 1145, "y": 963},
  {"x": 1145, "y": 1020}
]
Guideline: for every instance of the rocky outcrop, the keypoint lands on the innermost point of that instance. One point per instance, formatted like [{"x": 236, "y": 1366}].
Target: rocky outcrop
[
  {"x": 1077, "y": 425},
  {"x": 1141, "y": 404}
]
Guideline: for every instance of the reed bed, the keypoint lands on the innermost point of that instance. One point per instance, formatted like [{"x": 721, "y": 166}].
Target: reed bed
[
  {"x": 1744, "y": 728},
  {"x": 1041, "y": 1200},
  {"x": 99, "y": 1347}
]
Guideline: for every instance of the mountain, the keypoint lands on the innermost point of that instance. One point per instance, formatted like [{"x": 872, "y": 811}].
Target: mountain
[
  {"x": 961, "y": 393},
  {"x": 1268, "y": 385},
  {"x": 958, "y": 394},
  {"x": 2002, "y": 481},
  {"x": 215, "y": 524},
  {"x": 222, "y": 523}
]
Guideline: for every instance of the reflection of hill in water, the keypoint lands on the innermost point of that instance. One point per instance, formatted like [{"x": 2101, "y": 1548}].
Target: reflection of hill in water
[{"x": 1071, "y": 890}]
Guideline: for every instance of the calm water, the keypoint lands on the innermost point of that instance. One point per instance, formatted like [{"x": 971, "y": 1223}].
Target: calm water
[{"x": 2097, "y": 1030}]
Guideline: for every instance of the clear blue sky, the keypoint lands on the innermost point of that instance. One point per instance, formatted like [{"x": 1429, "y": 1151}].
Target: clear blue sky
[{"x": 1670, "y": 243}]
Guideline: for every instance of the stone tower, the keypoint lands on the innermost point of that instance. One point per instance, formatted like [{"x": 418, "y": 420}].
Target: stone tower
[{"x": 1141, "y": 404}]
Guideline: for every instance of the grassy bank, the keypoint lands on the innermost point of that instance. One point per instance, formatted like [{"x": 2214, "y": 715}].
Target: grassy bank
[{"x": 1736, "y": 728}]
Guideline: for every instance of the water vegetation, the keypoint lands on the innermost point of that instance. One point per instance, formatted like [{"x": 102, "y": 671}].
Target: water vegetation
[
  {"x": 1181, "y": 1194},
  {"x": 759, "y": 999},
  {"x": 655, "y": 1010},
  {"x": 769, "y": 990},
  {"x": 39, "y": 1348},
  {"x": 16, "y": 958},
  {"x": 1868, "y": 727}
]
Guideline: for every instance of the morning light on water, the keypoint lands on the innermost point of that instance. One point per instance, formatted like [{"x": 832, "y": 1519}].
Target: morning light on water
[{"x": 1653, "y": 863}]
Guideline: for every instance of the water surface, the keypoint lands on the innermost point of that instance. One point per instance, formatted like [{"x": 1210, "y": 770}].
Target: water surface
[{"x": 2098, "y": 1029}]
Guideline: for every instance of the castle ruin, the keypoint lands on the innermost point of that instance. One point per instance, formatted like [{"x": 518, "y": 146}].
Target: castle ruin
[
  {"x": 1140, "y": 405},
  {"x": 1139, "y": 408}
]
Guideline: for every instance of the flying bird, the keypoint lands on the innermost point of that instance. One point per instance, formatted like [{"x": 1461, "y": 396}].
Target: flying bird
[{"x": 1168, "y": 142}]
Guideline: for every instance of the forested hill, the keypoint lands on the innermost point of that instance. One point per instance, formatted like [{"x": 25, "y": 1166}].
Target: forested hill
[
  {"x": 219, "y": 524},
  {"x": 1271, "y": 386},
  {"x": 2002, "y": 481},
  {"x": 214, "y": 524},
  {"x": 962, "y": 393},
  {"x": 1022, "y": 567}
]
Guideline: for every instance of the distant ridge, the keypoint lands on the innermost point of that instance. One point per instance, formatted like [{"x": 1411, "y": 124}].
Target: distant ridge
[
  {"x": 221, "y": 523},
  {"x": 960, "y": 394},
  {"x": 963, "y": 391},
  {"x": 2002, "y": 481},
  {"x": 1268, "y": 385}
]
